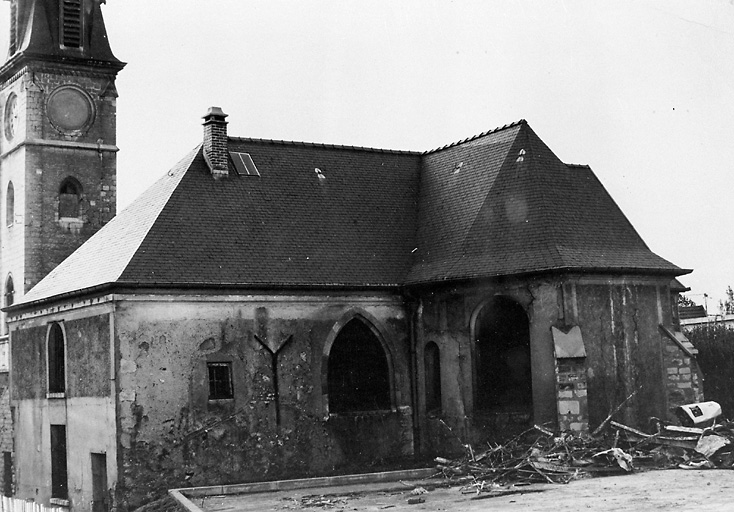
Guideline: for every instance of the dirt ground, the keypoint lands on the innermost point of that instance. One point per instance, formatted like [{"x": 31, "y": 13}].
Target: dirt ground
[{"x": 678, "y": 489}]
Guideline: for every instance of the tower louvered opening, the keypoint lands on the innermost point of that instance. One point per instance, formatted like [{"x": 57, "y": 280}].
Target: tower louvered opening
[
  {"x": 13, "y": 27},
  {"x": 71, "y": 23}
]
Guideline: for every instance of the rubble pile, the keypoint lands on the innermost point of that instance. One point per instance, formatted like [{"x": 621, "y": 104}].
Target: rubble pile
[{"x": 540, "y": 455}]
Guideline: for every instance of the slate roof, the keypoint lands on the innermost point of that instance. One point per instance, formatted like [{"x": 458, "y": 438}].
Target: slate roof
[
  {"x": 503, "y": 204},
  {"x": 498, "y": 204},
  {"x": 287, "y": 227},
  {"x": 688, "y": 312}
]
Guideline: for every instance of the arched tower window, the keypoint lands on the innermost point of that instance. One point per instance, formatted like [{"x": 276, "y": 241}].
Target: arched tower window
[
  {"x": 9, "y": 291},
  {"x": 358, "y": 371},
  {"x": 10, "y": 205},
  {"x": 432, "y": 366},
  {"x": 56, "y": 359},
  {"x": 502, "y": 357},
  {"x": 70, "y": 195}
]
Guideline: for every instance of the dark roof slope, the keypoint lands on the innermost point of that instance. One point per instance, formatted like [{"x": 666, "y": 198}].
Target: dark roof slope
[
  {"x": 288, "y": 227},
  {"x": 498, "y": 204},
  {"x": 688, "y": 312},
  {"x": 504, "y": 204},
  {"x": 104, "y": 257},
  {"x": 353, "y": 227}
]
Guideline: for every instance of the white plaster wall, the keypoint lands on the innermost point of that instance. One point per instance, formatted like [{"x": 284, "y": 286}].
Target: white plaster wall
[{"x": 90, "y": 428}]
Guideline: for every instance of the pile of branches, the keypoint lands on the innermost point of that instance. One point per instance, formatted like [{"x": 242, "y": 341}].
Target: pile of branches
[
  {"x": 540, "y": 455},
  {"x": 537, "y": 455}
]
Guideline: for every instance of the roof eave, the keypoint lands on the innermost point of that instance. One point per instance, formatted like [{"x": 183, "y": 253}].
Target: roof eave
[
  {"x": 170, "y": 286},
  {"x": 672, "y": 272}
]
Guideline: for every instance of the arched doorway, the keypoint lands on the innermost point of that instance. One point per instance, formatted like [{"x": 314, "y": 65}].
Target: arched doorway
[
  {"x": 358, "y": 371},
  {"x": 503, "y": 379}
]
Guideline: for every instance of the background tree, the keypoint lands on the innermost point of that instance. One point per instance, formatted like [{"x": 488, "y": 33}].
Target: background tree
[
  {"x": 727, "y": 306},
  {"x": 715, "y": 344},
  {"x": 684, "y": 301}
]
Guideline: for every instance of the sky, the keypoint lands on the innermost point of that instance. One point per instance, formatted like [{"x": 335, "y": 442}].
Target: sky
[{"x": 640, "y": 90}]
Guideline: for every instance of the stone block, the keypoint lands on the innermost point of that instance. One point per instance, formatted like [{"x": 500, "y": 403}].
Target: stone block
[{"x": 568, "y": 407}]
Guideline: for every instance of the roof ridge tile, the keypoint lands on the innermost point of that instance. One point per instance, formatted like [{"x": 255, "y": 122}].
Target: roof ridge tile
[
  {"x": 478, "y": 136},
  {"x": 324, "y": 145}
]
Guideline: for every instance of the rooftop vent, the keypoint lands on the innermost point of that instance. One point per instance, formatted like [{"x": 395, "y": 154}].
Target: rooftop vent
[{"x": 243, "y": 164}]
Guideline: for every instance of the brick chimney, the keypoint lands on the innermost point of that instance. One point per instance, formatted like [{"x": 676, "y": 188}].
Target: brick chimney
[{"x": 215, "y": 142}]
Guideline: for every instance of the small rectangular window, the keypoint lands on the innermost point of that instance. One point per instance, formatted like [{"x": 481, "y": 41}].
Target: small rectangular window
[
  {"x": 220, "y": 381},
  {"x": 59, "y": 478}
]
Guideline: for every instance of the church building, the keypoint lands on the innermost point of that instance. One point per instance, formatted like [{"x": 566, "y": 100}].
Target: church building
[{"x": 273, "y": 309}]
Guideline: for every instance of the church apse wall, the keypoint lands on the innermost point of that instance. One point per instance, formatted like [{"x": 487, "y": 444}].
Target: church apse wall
[
  {"x": 494, "y": 373},
  {"x": 222, "y": 391},
  {"x": 490, "y": 365}
]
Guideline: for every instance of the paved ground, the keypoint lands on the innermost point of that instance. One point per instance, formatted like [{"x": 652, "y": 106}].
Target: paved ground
[{"x": 695, "y": 490}]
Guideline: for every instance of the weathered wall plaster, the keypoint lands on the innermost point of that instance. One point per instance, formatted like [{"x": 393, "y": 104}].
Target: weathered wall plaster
[{"x": 171, "y": 434}]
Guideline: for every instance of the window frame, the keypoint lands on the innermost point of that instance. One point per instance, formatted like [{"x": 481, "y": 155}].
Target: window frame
[
  {"x": 10, "y": 204},
  {"x": 9, "y": 292},
  {"x": 58, "y": 390},
  {"x": 59, "y": 463},
  {"x": 337, "y": 366},
  {"x": 73, "y": 182},
  {"x": 214, "y": 393},
  {"x": 433, "y": 394}
]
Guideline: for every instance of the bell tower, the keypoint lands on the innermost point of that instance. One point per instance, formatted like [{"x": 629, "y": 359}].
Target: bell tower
[{"x": 57, "y": 138}]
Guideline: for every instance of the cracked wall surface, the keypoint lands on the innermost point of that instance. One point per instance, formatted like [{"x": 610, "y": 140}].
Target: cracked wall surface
[
  {"x": 619, "y": 319},
  {"x": 171, "y": 434},
  {"x": 141, "y": 396}
]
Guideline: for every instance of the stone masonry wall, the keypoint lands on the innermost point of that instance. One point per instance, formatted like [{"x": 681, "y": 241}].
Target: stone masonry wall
[
  {"x": 77, "y": 155},
  {"x": 573, "y": 407},
  {"x": 683, "y": 380}
]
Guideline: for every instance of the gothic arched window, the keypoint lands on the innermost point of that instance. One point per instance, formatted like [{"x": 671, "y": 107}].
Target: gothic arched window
[
  {"x": 358, "y": 371},
  {"x": 56, "y": 359}
]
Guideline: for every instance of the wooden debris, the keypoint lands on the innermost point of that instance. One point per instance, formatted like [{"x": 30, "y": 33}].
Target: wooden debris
[{"x": 540, "y": 455}]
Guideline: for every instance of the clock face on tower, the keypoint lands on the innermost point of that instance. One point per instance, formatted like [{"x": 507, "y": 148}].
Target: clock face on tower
[
  {"x": 69, "y": 109},
  {"x": 10, "y": 119}
]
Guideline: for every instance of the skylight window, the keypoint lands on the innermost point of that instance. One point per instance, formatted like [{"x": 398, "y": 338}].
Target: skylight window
[{"x": 243, "y": 164}]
